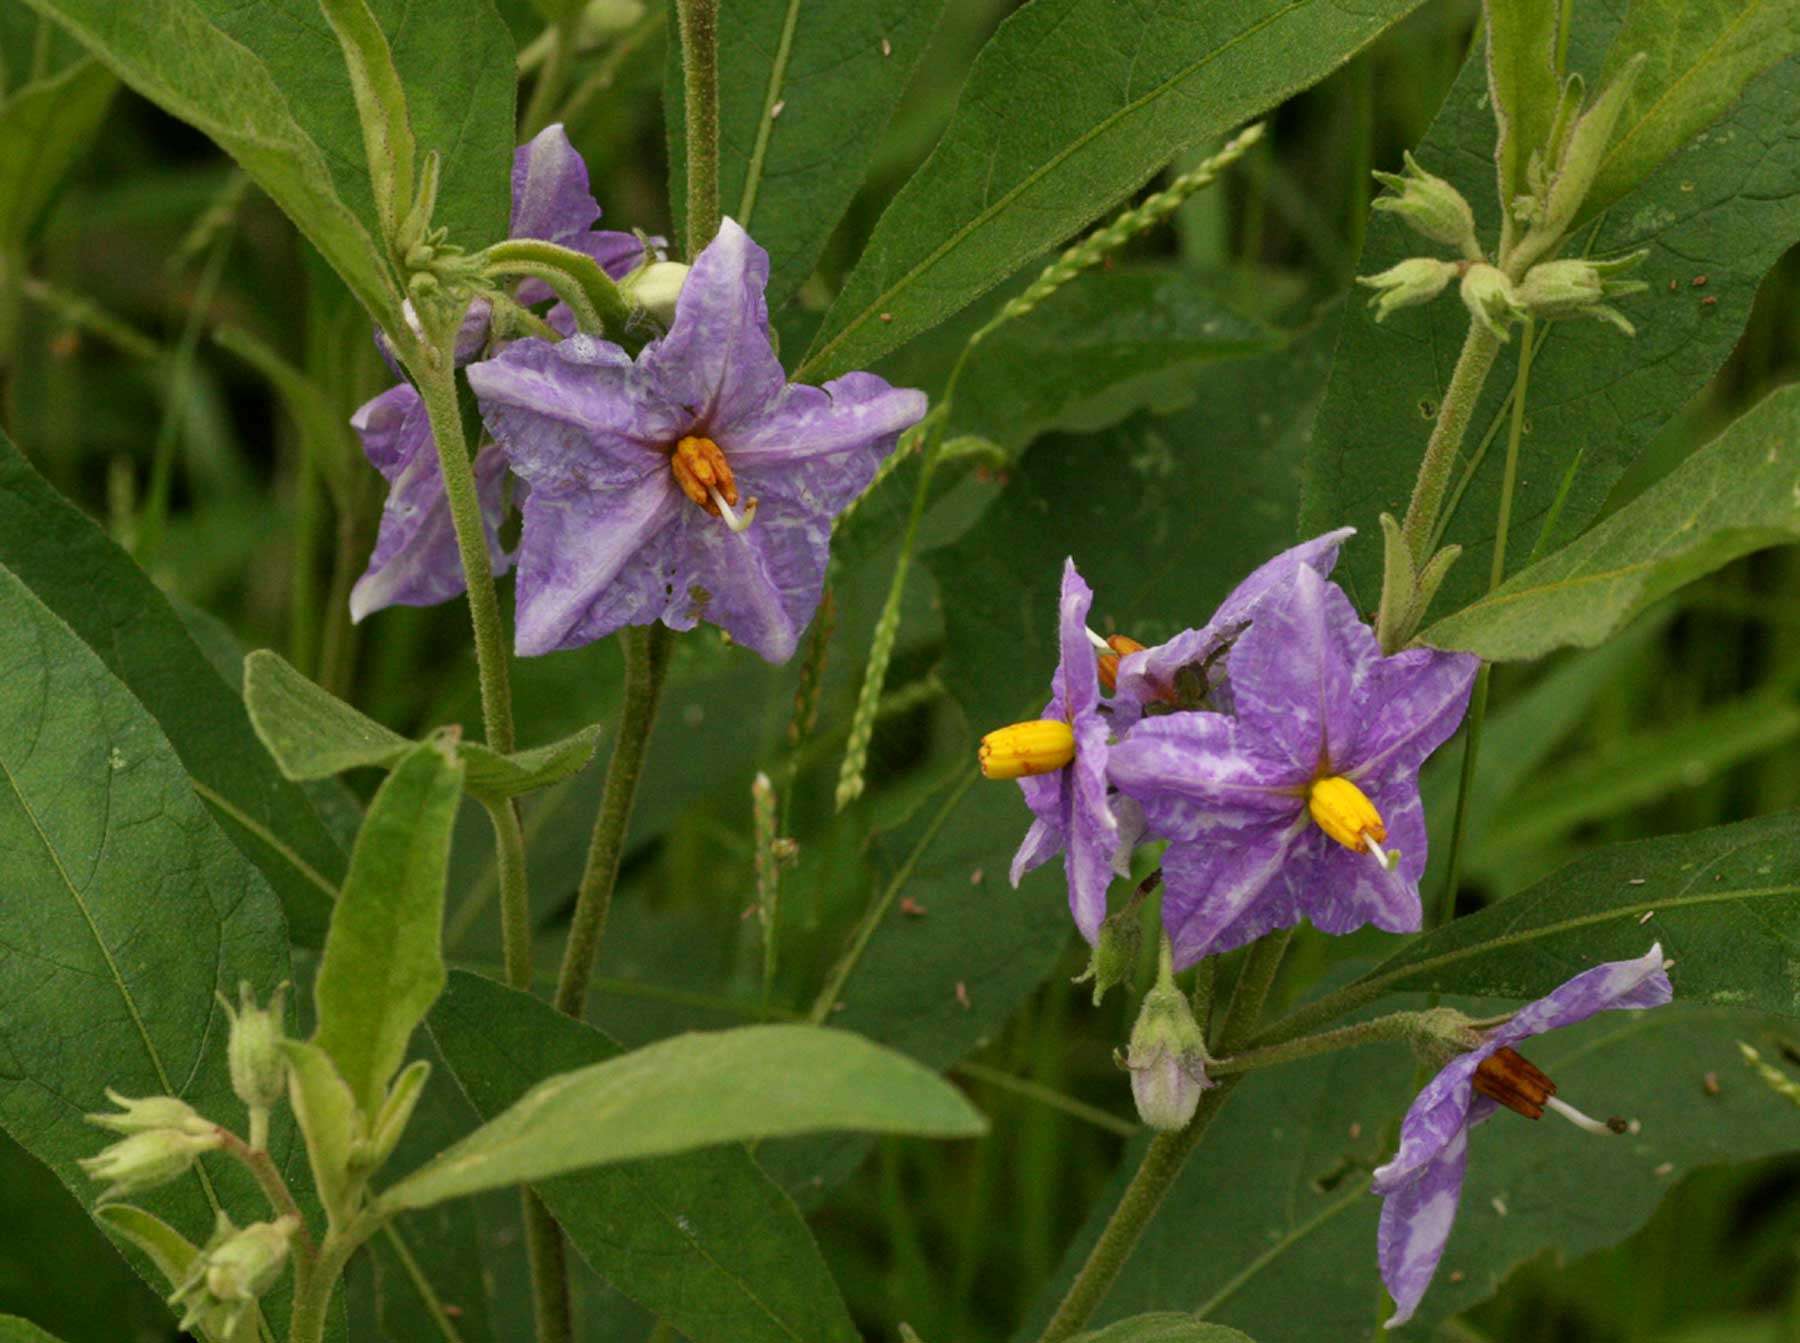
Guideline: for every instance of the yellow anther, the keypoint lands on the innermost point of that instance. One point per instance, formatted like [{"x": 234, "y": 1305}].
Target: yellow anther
[
  {"x": 1027, "y": 748},
  {"x": 1344, "y": 812},
  {"x": 699, "y": 467}
]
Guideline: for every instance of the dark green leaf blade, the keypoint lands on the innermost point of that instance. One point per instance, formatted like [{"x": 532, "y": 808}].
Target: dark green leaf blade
[
  {"x": 15, "y": 1330},
  {"x": 1739, "y": 493},
  {"x": 1016, "y": 173},
  {"x": 704, "y": 1239},
  {"x": 694, "y": 1091},
  {"x": 76, "y": 570},
  {"x": 805, "y": 89},
  {"x": 384, "y": 963},
  {"x": 126, "y": 912},
  {"x": 1714, "y": 221},
  {"x": 1164, "y": 1327}
]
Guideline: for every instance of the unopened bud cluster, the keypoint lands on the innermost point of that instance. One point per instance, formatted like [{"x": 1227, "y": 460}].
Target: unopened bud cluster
[
  {"x": 230, "y": 1273},
  {"x": 1167, "y": 1054}
]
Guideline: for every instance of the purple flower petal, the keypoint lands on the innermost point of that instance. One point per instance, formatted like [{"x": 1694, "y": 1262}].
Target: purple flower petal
[
  {"x": 1319, "y": 554},
  {"x": 1075, "y": 688},
  {"x": 550, "y": 196},
  {"x": 416, "y": 561},
  {"x": 1208, "y": 887},
  {"x": 1341, "y": 890},
  {"x": 1092, "y": 832},
  {"x": 1294, "y": 673},
  {"x": 760, "y": 585},
  {"x": 1415, "y": 1226},
  {"x": 1611, "y": 987},
  {"x": 829, "y": 440},
  {"x": 1199, "y": 776},
  {"x": 1042, "y": 842},
  {"x": 1409, "y": 705},
  {"x": 716, "y": 362},
  {"x": 594, "y": 561}
]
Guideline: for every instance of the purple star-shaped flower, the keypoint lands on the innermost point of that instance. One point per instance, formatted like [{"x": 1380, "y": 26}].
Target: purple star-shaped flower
[
  {"x": 694, "y": 483},
  {"x": 415, "y": 562},
  {"x": 1280, "y": 810},
  {"x": 1074, "y": 816},
  {"x": 1152, "y": 675},
  {"x": 1422, "y": 1184}
]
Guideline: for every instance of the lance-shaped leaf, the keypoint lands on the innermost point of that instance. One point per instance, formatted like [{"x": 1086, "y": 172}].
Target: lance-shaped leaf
[
  {"x": 313, "y": 735},
  {"x": 1739, "y": 493},
  {"x": 384, "y": 964},
  {"x": 1521, "y": 76},
  {"x": 695, "y": 1091},
  {"x": 171, "y": 1252},
  {"x": 1017, "y": 173},
  {"x": 15, "y": 1330},
  {"x": 703, "y": 1239},
  {"x": 44, "y": 127},
  {"x": 76, "y": 570},
  {"x": 805, "y": 89}
]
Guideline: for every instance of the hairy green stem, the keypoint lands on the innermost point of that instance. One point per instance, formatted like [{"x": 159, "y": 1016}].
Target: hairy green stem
[
  {"x": 515, "y": 898},
  {"x": 1167, "y": 1153},
  {"x": 1496, "y": 574},
  {"x": 646, "y": 664},
  {"x": 1466, "y": 381},
  {"x": 700, "y": 75},
  {"x": 436, "y": 381},
  {"x": 1394, "y": 1026},
  {"x": 261, "y": 1166},
  {"x": 553, "y": 1310},
  {"x": 314, "y": 1284}
]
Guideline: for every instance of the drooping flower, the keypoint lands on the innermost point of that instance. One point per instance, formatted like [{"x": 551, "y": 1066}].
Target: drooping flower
[
  {"x": 1303, "y": 802},
  {"x": 692, "y": 483},
  {"x": 1421, "y": 1185},
  {"x": 1068, "y": 798},
  {"x": 415, "y": 562},
  {"x": 1191, "y": 666}
]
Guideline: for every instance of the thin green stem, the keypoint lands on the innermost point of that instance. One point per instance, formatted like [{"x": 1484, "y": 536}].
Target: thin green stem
[
  {"x": 1047, "y": 1096},
  {"x": 515, "y": 898},
  {"x": 1394, "y": 1026},
  {"x": 699, "y": 21},
  {"x": 606, "y": 73},
  {"x": 421, "y": 1284},
  {"x": 436, "y": 381},
  {"x": 1167, "y": 1153},
  {"x": 269, "y": 1179},
  {"x": 1466, "y": 381},
  {"x": 553, "y": 75},
  {"x": 552, "y": 1307},
  {"x": 314, "y": 1287},
  {"x": 646, "y": 664},
  {"x": 1496, "y": 575}
]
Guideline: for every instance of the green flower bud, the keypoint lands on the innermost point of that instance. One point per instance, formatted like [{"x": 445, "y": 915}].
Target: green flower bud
[
  {"x": 1580, "y": 288},
  {"x": 1167, "y": 1056},
  {"x": 1416, "y": 280},
  {"x": 1115, "y": 955},
  {"x": 236, "y": 1267},
  {"x": 147, "y": 1159},
  {"x": 1435, "y": 209},
  {"x": 258, "y": 1067},
  {"x": 1490, "y": 298},
  {"x": 655, "y": 287},
  {"x": 149, "y": 1113}
]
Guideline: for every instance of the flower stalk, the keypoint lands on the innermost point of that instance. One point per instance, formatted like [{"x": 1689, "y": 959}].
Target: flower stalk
[{"x": 699, "y": 21}]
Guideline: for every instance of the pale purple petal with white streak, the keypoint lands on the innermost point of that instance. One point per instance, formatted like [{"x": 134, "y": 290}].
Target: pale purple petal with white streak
[
  {"x": 415, "y": 561},
  {"x": 1415, "y": 1226},
  {"x": 1341, "y": 890},
  {"x": 1091, "y": 832},
  {"x": 1042, "y": 842},
  {"x": 550, "y": 196},
  {"x": 1200, "y": 774},
  {"x": 827, "y": 441},
  {"x": 1410, "y": 705},
  {"x": 1210, "y": 887},
  {"x": 1611, "y": 987}
]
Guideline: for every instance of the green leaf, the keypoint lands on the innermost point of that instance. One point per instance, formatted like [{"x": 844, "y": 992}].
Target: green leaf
[
  {"x": 1714, "y": 221},
  {"x": 1724, "y": 902},
  {"x": 695, "y": 1091},
  {"x": 1163, "y": 1327},
  {"x": 1700, "y": 59},
  {"x": 703, "y": 1239},
  {"x": 1522, "y": 81},
  {"x": 268, "y": 82},
  {"x": 126, "y": 911},
  {"x": 44, "y": 128},
  {"x": 326, "y": 1112},
  {"x": 805, "y": 90},
  {"x": 171, "y": 1252},
  {"x": 15, "y": 1330},
  {"x": 1739, "y": 493},
  {"x": 312, "y": 734},
  {"x": 1017, "y": 172},
  {"x": 111, "y": 604},
  {"x": 1244, "y": 1251},
  {"x": 1125, "y": 504},
  {"x": 384, "y": 965}
]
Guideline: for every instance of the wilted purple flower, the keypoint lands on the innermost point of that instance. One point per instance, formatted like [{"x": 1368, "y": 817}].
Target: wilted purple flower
[
  {"x": 1189, "y": 665},
  {"x": 1281, "y": 810},
  {"x": 1423, "y": 1182},
  {"x": 415, "y": 562},
  {"x": 694, "y": 483},
  {"x": 1067, "y": 790}
]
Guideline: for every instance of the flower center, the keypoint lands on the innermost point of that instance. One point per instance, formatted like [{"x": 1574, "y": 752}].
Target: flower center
[
  {"x": 1507, "y": 1077},
  {"x": 1036, "y": 747},
  {"x": 1343, "y": 811},
  {"x": 1111, "y": 649},
  {"x": 700, "y": 469}
]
